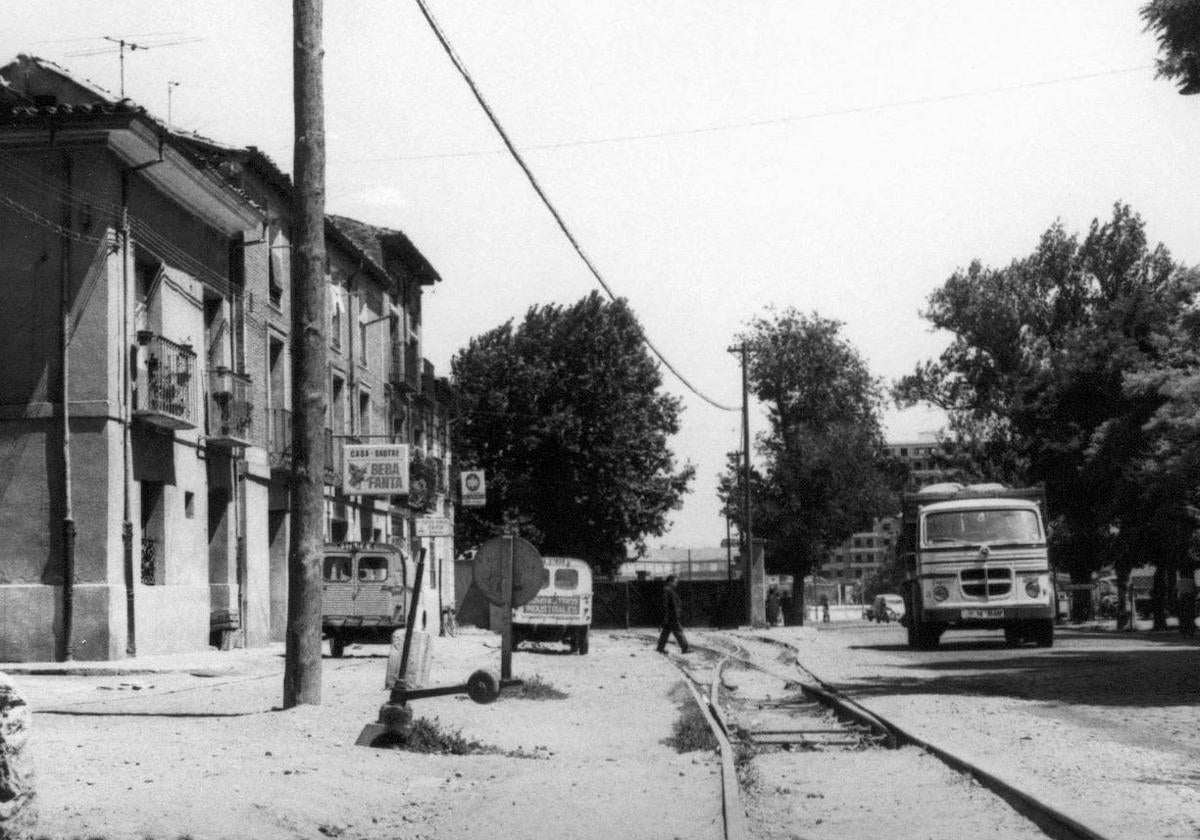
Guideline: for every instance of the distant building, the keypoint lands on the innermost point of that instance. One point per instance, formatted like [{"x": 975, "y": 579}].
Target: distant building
[
  {"x": 684, "y": 563},
  {"x": 858, "y": 557},
  {"x": 921, "y": 456}
]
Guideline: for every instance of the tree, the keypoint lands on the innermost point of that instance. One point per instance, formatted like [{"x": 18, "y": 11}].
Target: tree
[
  {"x": 822, "y": 474},
  {"x": 1040, "y": 377},
  {"x": 565, "y": 415},
  {"x": 1176, "y": 23}
]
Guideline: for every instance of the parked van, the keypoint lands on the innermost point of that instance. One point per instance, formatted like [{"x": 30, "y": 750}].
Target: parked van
[
  {"x": 562, "y": 609},
  {"x": 366, "y": 593},
  {"x": 888, "y": 608}
]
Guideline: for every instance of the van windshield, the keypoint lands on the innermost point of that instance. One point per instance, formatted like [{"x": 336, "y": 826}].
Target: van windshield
[
  {"x": 337, "y": 567},
  {"x": 983, "y": 526},
  {"x": 372, "y": 568},
  {"x": 566, "y": 578}
]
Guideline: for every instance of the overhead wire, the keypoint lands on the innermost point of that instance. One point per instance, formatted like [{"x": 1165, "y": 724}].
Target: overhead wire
[
  {"x": 770, "y": 121},
  {"x": 537, "y": 188}
]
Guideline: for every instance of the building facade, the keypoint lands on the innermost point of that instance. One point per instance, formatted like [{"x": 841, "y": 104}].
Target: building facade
[{"x": 145, "y": 428}]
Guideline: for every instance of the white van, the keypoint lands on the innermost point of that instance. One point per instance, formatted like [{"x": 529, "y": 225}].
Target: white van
[
  {"x": 366, "y": 594},
  {"x": 562, "y": 609}
]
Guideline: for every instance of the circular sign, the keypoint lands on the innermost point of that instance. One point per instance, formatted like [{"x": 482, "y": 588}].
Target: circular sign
[
  {"x": 472, "y": 482},
  {"x": 527, "y": 570}
]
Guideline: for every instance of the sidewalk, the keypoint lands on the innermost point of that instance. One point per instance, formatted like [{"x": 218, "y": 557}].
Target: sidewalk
[{"x": 211, "y": 662}]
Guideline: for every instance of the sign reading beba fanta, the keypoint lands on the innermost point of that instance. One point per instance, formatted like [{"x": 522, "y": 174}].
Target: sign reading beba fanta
[{"x": 375, "y": 470}]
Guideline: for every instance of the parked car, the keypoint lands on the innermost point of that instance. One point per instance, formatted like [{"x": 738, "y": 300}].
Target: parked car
[{"x": 887, "y": 608}]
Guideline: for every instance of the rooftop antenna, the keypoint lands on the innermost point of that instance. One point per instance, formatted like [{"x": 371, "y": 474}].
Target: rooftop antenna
[
  {"x": 122, "y": 45},
  {"x": 170, "y": 87}
]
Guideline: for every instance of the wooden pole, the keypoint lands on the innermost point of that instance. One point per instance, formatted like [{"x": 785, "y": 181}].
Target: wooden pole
[
  {"x": 506, "y": 634},
  {"x": 302, "y": 656}
]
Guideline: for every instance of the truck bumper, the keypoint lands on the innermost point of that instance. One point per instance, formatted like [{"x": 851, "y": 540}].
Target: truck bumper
[{"x": 960, "y": 616}]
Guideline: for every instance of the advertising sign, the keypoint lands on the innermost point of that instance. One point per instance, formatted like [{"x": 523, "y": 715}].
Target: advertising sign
[
  {"x": 474, "y": 488},
  {"x": 375, "y": 469},
  {"x": 434, "y": 526}
]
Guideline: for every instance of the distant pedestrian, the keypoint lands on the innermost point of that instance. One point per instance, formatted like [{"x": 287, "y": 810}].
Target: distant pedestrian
[
  {"x": 1186, "y": 590},
  {"x": 825, "y": 608},
  {"x": 785, "y": 607},
  {"x": 772, "y": 606},
  {"x": 672, "y": 611}
]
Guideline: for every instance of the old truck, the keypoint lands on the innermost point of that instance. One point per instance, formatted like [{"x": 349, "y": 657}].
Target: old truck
[
  {"x": 975, "y": 557},
  {"x": 366, "y": 594}
]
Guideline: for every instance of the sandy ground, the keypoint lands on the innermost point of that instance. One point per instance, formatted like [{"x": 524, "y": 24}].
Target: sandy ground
[
  {"x": 197, "y": 747},
  {"x": 170, "y": 755}
]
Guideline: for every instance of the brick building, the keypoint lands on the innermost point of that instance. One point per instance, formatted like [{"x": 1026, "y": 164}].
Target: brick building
[{"x": 144, "y": 400}]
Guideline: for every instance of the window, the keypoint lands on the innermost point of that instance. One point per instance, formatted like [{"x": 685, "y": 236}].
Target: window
[
  {"x": 337, "y": 568},
  {"x": 275, "y": 275},
  {"x": 364, "y": 414},
  {"x": 566, "y": 578},
  {"x": 372, "y": 568}
]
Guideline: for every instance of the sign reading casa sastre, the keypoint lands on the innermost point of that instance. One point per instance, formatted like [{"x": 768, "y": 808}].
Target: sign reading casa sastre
[{"x": 375, "y": 469}]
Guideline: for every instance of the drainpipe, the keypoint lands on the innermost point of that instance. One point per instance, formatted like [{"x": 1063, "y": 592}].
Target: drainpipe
[
  {"x": 126, "y": 424},
  {"x": 68, "y": 522}
]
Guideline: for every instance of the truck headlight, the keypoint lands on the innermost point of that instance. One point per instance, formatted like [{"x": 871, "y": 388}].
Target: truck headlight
[
  {"x": 940, "y": 593},
  {"x": 1033, "y": 588}
]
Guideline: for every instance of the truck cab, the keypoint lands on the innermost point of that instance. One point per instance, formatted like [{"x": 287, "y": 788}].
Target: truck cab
[{"x": 975, "y": 557}]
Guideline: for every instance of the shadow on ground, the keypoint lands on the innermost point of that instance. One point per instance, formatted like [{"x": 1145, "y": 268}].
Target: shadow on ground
[{"x": 1157, "y": 672}]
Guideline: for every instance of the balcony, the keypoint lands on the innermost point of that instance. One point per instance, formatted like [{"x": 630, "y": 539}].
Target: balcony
[
  {"x": 230, "y": 417},
  {"x": 405, "y": 373},
  {"x": 279, "y": 438},
  {"x": 166, "y": 394}
]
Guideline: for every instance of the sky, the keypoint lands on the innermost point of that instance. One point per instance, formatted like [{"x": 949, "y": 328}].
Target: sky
[{"x": 713, "y": 158}]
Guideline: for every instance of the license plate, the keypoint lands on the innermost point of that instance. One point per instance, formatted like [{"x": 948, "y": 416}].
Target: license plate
[{"x": 983, "y": 613}]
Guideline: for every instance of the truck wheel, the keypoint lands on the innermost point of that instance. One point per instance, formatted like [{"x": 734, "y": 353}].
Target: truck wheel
[
  {"x": 581, "y": 641},
  {"x": 337, "y": 646},
  {"x": 1012, "y": 635},
  {"x": 1043, "y": 633}
]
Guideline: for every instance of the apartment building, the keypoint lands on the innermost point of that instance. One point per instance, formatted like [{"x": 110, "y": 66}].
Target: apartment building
[{"x": 144, "y": 400}]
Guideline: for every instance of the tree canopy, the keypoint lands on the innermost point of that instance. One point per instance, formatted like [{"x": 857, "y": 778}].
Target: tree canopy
[
  {"x": 821, "y": 476},
  {"x": 1176, "y": 23},
  {"x": 564, "y": 414},
  {"x": 1059, "y": 371}
]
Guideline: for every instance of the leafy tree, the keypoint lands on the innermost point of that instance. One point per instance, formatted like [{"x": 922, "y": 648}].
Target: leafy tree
[
  {"x": 1041, "y": 378},
  {"x": 822, "y": 476},
  {"x": 1177, "y": 25},
  {"x": 564, "y": 413}
]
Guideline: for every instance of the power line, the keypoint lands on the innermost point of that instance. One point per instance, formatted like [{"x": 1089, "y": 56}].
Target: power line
[
  {"x": 770, "y": 121},
  {"x": 546, "y": 200}
]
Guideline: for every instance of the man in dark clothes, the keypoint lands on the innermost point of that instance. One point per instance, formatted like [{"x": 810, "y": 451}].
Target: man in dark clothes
[{"x": 672, "y": 610}]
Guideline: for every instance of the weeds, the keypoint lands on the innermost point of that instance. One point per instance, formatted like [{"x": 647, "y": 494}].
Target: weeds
[
  {"x": 536, "y": 688},
  {"x": 690, "y": 731}
]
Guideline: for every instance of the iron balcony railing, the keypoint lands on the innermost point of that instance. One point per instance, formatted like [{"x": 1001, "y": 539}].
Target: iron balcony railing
[
  {"x": 279, "y": 438},
  {"x": 230, "y": 413},
  {"x": 166, "y": 390}
]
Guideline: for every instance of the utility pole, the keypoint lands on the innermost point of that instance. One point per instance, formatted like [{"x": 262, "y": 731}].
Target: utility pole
[
  {"x": 302, "y": 657},
  {"x": 748, "y": 518}
]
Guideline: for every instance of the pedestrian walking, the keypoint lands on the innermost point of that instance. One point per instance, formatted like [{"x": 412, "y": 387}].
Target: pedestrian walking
[
  {"x": 773, "y": 602},
  {"x": 825, "y": 608},
  {"x": 1185, "y": 588},
  {"x": 672, "y": 611}
]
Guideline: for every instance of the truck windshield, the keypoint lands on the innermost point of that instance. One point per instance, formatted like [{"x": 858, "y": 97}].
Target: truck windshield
[{"x": 983, "y": 526}]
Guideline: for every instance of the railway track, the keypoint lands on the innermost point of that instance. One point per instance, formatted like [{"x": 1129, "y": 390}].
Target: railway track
[{"x": 758, "y": 698}]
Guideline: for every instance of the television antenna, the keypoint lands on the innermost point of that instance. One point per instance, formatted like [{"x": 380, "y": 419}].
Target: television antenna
[{"x": 122, "y": 45}]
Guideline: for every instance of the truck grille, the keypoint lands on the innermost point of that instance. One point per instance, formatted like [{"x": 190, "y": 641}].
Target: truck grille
[{"x": 986, "y": 583}]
